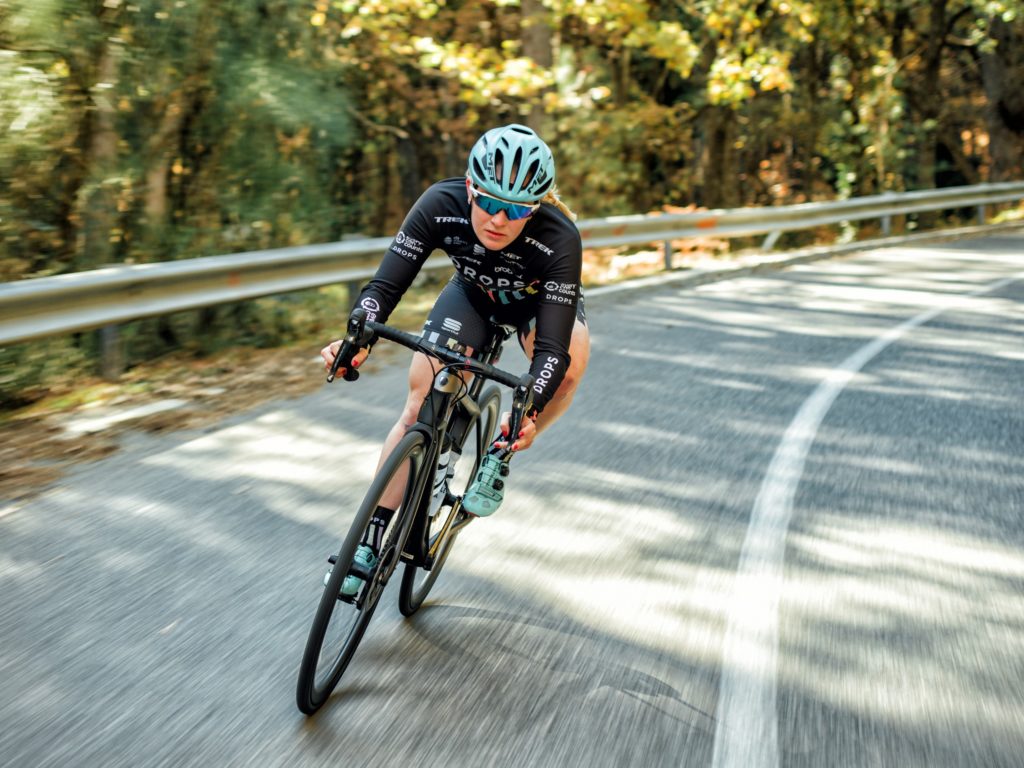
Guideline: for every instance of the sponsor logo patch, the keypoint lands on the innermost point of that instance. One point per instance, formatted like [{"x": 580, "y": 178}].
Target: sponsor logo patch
[
  {"x": 372, "y": 307},
  {"x": 410, "y": 255},
  {"x": 544, "y": 377},
  {"x": 409, "y": 242},
  {"x": 560, "y": 293}
]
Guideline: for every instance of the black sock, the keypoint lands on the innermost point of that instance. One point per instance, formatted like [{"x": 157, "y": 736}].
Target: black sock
[{"x": 378, "y": 524}]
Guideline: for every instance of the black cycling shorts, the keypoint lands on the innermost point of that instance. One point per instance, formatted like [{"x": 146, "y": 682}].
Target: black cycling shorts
[{"x": 462, "y": 312}]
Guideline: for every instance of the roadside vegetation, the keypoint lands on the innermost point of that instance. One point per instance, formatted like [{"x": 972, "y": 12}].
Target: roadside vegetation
[{"x": 153, "y": 130}]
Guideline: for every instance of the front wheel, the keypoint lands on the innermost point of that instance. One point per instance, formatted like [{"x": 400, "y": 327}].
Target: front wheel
[
  {"x": 341, "y": 620},
  {"x": 441, "y": 528}
]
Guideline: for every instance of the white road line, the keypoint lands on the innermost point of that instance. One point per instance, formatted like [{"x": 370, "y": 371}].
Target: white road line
[{"x": 746, "y": 733}]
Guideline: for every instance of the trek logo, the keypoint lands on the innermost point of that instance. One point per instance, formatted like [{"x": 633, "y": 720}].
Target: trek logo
[
  {"x": 450, "y": 220},
  {"x": 545, "y": 375},
  {"x": 539, "y": 246}
]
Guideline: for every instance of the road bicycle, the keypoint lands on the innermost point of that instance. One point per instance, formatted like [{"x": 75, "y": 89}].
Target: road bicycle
[{"x": 439, "y": 457}]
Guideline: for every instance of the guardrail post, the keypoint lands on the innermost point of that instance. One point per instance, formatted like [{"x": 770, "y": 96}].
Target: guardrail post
[
  {"x": 353, "y": 287},
  {"x": 769, "y": 242},
  {"x": 668, "y": 254},
  {"x": 887, "y": 218},
  {"x": 111, "y": 352},
  {"x": 981, "y": 214}
]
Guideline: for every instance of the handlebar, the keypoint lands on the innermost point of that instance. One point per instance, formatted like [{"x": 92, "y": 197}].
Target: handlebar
[{"x": 361, "y": 332}]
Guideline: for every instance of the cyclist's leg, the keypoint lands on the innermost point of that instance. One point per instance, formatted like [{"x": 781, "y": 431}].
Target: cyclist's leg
[
  {"x": 421, "y": 375},
  {"x": 453, "y": 318},
  {"x": 487, "y": 492}
]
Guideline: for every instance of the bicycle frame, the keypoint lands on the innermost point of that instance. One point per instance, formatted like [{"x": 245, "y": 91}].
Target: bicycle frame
[{"x": 442, "y": 406}]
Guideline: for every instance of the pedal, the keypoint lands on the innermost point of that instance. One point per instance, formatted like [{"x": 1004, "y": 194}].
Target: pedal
[{"x": 355, "y": 569}]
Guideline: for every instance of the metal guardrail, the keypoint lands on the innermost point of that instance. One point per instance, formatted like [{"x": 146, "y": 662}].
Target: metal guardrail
[{"x": 38, "y": 307}]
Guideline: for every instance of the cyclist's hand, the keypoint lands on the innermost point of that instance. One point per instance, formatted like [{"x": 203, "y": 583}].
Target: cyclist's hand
[
  {"x": 527, "y": 433},
  {"x": 329, "y": 352}
]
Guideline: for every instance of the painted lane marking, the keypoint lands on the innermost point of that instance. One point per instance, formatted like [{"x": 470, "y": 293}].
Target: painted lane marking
[{"x": 746, "y": 733}]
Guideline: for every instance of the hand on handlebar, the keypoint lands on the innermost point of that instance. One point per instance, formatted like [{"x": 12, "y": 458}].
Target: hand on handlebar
[
  {"x": 329, "y": 352},
  {"x": 522, "y": 441}
]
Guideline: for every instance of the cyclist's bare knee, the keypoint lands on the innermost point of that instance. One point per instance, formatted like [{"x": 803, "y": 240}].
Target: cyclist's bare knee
[{"x": 421, "y": 375}]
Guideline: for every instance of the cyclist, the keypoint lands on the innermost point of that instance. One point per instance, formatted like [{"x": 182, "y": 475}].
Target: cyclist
[{"x": 518, "y": 257}]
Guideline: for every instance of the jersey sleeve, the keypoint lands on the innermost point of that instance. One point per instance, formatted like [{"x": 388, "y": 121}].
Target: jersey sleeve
[
  {"x": 402, "y": 261},
  {"x": 556, "y": 317}
]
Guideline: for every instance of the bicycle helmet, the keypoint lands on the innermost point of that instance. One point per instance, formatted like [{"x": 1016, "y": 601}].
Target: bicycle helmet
[{"x": 513, "y": 163}]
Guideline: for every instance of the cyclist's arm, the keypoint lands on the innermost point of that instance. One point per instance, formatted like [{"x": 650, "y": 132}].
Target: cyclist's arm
[
  {"x": 556, "y": 317},
  {"x": 550, "y": 351},
  {"x": 401, "y": 263}
]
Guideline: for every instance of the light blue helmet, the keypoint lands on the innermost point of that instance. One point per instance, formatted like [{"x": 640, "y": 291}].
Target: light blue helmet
[{"x": 512, "y": 162}]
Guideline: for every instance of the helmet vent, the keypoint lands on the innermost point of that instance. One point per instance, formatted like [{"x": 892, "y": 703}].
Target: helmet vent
[
  {"x": 517, "y": 161},
  {"x": 477, "y": 170},
  {"x": 530, "y": 173}
]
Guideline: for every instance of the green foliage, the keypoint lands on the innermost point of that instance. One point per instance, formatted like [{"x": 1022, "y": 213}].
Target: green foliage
[
  {"x": 150, "y": 130},
  {"x": 27, "y": 369}
]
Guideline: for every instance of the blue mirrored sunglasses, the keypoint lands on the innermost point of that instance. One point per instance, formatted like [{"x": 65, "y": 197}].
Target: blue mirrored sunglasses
[{"x": 495, "y": 205}]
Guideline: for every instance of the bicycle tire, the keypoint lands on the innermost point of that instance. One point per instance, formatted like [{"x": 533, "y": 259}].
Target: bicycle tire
[
  {"x": 417, "y": 578},
  {"x": 321, "y": 668}
]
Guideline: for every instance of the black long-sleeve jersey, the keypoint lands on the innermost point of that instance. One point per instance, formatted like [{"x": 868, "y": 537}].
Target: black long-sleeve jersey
[{"x": 537, "y": 274}]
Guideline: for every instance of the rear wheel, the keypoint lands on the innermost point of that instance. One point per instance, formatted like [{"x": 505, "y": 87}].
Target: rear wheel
[
  {"x": 442, "y": 528},
  {"x": 341, "y": 620}
]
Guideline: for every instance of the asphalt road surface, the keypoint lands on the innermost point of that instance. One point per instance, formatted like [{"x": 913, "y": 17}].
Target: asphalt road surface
[{"x": 780, "y": 526}]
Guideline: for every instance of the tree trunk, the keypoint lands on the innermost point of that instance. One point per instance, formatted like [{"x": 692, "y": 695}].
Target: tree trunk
[
  {"x": 1002, "y": 72},
  {"x": 536, "y": 39},
  {"x": 97, "y": 203},
  {"x": 410, "y": 178},
  {"x": 718, "y": 157}
]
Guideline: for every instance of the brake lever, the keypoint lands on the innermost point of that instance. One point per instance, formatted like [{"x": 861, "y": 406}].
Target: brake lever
[
  {"x": 522, "y": 401},
  {"x": 343, "y": 352},
  {"x": 355, "y": 335}
]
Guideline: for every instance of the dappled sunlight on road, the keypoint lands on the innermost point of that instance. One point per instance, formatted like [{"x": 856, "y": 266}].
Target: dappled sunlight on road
[
  {"x": 279, "y": 452},
  {"x": 954, "y": 602},
  {"x": 616, "y": 572}
]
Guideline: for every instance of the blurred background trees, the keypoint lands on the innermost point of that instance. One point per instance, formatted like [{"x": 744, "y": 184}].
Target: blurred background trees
[{"x": 150, "y": 130}]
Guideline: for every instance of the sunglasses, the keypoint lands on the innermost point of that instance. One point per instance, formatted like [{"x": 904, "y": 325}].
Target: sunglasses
[{"x": 494, "y": 205}]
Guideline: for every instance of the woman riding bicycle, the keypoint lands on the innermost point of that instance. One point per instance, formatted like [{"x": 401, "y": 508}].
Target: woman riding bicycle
[{"x": 518, "y": 258}]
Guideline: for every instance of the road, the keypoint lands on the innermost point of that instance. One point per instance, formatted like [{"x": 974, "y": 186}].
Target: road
[{"x": 780, "y": 526}]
